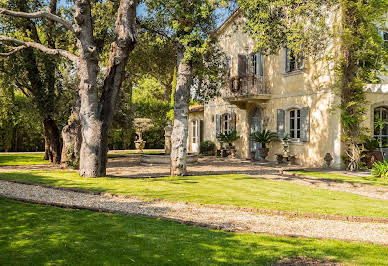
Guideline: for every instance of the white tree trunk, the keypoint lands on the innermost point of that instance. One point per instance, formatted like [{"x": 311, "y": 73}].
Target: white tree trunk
[{"x": 181, "y": 113}]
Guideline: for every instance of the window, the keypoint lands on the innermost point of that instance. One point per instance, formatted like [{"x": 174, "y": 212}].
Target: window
[
  {"x": 381, "y": 117},
  {"x": 257, "y": 64},
  {"x": 292, "y": 61},
  {"x": 384, "y": 34},
  {"x": 194, "y": 132},
  {"x": 226, "y": 123},
  {"x": 294, "y": 126}
]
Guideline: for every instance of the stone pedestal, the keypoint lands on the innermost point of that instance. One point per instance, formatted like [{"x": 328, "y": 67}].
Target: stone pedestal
[{"x": 167, "y": 137}]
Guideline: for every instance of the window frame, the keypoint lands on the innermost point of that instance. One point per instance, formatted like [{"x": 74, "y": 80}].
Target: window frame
[
  {"x": 380, "y": 136},
  {"x": 294, "y": 129},
  {"x": 295, "y": 62}
]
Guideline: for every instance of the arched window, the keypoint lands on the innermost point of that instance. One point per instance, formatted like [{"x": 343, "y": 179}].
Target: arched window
[{"x": 381, "y": 125}]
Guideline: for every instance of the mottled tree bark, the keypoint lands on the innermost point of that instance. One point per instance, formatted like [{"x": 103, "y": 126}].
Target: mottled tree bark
[
  {"x": 181, "y": 112},
  {"x": 96, "y": 114},
  {"x": 72, "y": 137}
]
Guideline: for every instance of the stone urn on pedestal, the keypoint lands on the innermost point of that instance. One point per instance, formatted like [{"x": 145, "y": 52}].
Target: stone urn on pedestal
[
  {"x": 167, "y": 137},
  {"x": 141, "y": 125}
]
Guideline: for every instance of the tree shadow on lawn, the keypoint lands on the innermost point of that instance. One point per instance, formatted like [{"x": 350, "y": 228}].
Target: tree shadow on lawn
[{"x": 33, "y": 234}]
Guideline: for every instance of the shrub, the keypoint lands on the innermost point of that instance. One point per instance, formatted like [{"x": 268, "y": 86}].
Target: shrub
[
  {"x": 371, "y": 144},
  {"x": 228, "y": 137},
  {"x": 380, "y": 169},
  {"x": 207, "y": 147}
]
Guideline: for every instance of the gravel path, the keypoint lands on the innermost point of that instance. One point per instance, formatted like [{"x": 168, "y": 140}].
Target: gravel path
[{"x": 220, "y": 218}]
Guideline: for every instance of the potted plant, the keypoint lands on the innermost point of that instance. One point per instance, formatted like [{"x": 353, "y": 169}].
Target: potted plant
[
  {"x": 371, "y": 153},
  {"x": 228, "y": 137},
  {"x": 263, "y": 137}
]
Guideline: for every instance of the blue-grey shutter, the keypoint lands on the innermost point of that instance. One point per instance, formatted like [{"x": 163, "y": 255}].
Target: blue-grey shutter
[
  {"x": 287, "y": 66},
  {"x": 218, "y": 124},
  {"x": 304, "y": 124},
  {"x": 260, "y": 65},
  {"x": 281, "y": 123},
  {"x": 233, "y": 121}
]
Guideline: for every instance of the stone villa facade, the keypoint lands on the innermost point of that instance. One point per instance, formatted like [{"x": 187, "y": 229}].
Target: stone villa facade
[{"x": 283, "y": 95}]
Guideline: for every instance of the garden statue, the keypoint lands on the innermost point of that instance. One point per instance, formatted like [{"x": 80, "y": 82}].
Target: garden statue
[
  {"x": 141, "y": 125},
  {"x": 167, "y": 137}
]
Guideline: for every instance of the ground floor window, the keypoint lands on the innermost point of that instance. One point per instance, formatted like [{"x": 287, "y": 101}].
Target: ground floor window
[
  {"x": 294, "y": 126},
  {"x": 194, "y": 132},
  {"x": 381, "y": 125},
  {"x": 226, "y": 123}
]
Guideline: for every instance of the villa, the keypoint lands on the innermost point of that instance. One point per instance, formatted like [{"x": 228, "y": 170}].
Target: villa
[{"x": 281, "y": 94}]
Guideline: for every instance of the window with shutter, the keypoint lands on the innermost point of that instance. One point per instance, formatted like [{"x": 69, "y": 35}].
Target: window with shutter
[
  {"x": 305, "y": 124},
  {"x": 281, "y": 125}
]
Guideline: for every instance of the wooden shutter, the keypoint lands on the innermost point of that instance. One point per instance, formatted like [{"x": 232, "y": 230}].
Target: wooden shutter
[
  {"x": 232, "y": 121},
  {"x": 218, "y": 124},
  {"x": 242, "y": 65},
  {"x": 260, "y": 65},
  {"x": 304, "y": 124},
  {"x": 287, "y": 65},
  {"x": 281, "y": 123}
]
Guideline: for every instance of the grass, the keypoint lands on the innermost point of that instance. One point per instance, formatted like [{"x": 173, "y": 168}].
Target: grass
[
  {"x": 36, "y": 235},
  {"x": 237, "y": 190},
  {"x": 22, "y": 159},
  {"x": 368, "y": 180}
]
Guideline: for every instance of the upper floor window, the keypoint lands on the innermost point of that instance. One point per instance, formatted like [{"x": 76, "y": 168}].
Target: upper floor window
[
  {"x": 381, "y": 125},
  {"x": 292, "y": 61},
  {"x": 294, "y": 125},
  {"x": 257, "y": 64},
  {"x": 384, "y": 35}
]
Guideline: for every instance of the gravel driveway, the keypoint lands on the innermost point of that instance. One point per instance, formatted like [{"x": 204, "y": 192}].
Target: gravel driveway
[{"x": 219, "y": 218}]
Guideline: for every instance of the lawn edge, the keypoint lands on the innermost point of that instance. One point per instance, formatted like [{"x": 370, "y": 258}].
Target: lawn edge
[{"x": 290, "y": 214}]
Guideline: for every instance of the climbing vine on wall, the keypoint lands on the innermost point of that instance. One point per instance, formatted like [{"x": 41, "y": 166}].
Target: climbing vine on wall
[{"x": 309, "y": 27}]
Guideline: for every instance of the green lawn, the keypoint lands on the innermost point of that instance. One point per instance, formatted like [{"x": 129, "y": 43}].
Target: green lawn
[
  {"x": 237, "y": 190},
  {"x": 369, "y": 180},
  {"x": 36, "y": 235},
  {"x": 22, "y": 159}
]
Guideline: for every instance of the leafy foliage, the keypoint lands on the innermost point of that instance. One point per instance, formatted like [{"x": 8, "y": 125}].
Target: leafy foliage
[
  {"x": 380, "y": 169},
  {"x": 206, "y": 147},
  {"x": 264, "y": 137},
  {"x": 228, "y": 137}
]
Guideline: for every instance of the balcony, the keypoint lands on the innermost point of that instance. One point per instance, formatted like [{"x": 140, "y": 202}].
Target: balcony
[{"x": 242, "y": 90}]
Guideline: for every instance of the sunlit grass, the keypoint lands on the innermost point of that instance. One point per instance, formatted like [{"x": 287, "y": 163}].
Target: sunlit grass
[
  {"x": 235, "y": 190},
  {"x": 22, "y": 159},
  {"x": 41, "y": 235},
  {"x": 368, "y": 180}
]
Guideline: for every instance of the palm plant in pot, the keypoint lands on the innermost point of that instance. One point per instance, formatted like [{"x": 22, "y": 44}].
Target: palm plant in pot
[
  {"x": 263, "y": 137},
  {"x": 229, "y": 137}
]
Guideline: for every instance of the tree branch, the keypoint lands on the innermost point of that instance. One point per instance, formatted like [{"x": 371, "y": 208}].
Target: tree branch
[
  {"x": 39, "y": 14},
  {"x": 41, "y": 47},
  {"x": 14, "y": 50}
]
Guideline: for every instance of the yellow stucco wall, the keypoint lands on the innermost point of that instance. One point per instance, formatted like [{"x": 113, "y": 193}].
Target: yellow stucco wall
[{"x": 306, "y": 88}]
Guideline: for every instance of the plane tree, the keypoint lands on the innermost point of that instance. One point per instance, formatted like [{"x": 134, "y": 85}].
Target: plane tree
[{"x": 97, "y": 99}]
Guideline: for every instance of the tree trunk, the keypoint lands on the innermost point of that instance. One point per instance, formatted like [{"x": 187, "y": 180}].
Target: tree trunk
[
  {"x": 72, "y": 137},
  {"x": 181, "y": 112},
  {"x": 46, "y": 151},
  {"x": 96, "y": 115},
  {"x": 52, "y": 136}
]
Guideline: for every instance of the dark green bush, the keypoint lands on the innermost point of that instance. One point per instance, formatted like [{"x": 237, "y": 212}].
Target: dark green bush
[
  {"x": 380, "y": 169},
  {"x": 207, "y": 147}
]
